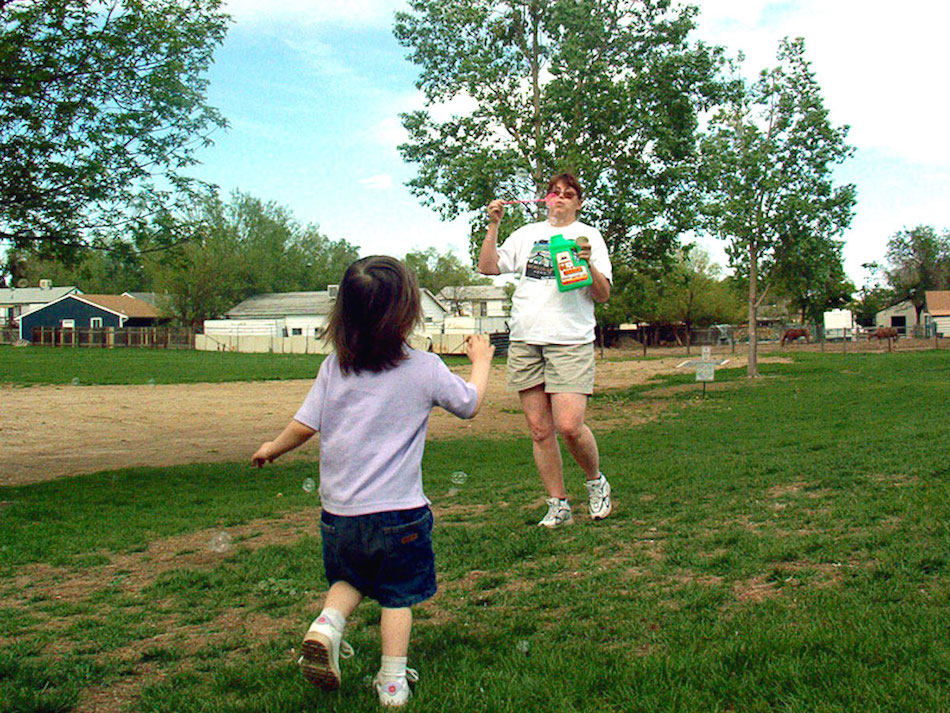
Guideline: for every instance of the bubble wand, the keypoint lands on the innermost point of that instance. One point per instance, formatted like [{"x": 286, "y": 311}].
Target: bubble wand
[{"x": 548, "y": 199}]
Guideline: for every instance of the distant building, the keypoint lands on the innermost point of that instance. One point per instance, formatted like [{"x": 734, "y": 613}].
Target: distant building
[
  {"x": 15, "y": 301},
  {"x": 488, "y": 305},
  {"x": 261, "y": 323},
  {"x": 75, "y": 311},
  {"x": 938, "y": 311},
  {"x": 902, "y": 316}
]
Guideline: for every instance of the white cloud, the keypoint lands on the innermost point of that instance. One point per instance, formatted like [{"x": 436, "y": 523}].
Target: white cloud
[
  {"x": 379, "y": 182},
  {"x": 876, "y": 64},
  {"x": 390, "y": 132},
  {"x": 350, "y": 13}
]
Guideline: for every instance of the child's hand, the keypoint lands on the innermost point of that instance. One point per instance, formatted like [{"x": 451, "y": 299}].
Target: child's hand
[
  {"x": 265, "y": 454},
  {"x": 478, "y": 348}
]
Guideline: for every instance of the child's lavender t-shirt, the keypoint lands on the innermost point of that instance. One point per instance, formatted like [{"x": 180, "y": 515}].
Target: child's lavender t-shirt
[{"x": 373, "y": 427}]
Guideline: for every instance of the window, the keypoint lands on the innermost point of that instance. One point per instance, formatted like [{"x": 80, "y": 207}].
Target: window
[
  {"x": 95, "y": 322},
  {"x": 296, "y": 331},
  {"x": 67, "y": 323},
  {"x": 482, "y": 309}
]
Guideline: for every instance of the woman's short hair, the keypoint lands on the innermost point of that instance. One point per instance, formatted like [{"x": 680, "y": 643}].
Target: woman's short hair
[
  {"x": 568, "y": 179},
  {"x": 377, "y": 306}
]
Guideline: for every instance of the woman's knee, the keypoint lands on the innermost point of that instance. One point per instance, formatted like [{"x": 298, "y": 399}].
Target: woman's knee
[
  {"x": 571, "y": 429},
  {"x": 541, "y": 430}
]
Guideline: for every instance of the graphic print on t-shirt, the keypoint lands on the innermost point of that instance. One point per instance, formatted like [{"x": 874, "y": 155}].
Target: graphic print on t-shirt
[{"x": 540, "y": 266}]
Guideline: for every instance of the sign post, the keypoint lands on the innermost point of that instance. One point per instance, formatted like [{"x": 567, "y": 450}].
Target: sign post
[{"x": 706, "y": 368}]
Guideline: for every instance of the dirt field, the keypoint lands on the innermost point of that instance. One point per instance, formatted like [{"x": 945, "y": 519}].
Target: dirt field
[{"x": 52, "y": 431}]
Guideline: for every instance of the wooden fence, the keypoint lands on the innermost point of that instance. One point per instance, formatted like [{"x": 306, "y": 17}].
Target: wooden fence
[{"x": 109, "y": 337}]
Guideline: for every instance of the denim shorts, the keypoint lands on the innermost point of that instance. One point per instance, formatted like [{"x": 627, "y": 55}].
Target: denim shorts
[{"x": 387, "y": 556}]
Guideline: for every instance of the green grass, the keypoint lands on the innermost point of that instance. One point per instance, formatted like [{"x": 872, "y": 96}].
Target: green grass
[
  {"x": 28, "y": 366},
  {"x": 781, "y": 545}
]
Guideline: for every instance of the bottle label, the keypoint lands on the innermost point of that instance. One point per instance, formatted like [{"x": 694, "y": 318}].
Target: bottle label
[{"x": 569, "y": 272}]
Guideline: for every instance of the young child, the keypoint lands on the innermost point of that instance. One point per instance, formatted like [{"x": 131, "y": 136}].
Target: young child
[{"x": 371, "y": 402}]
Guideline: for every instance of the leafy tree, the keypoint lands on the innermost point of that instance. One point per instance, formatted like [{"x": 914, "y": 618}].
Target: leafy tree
[
  {"x": 918, "y": 260},
  {"x": 870, "y": 300},
  {"x": 226, "y": 252},
  {"x": 436, "y": 270},
  {"x": 94, "y": 271},
  {"x": 692, "y": 293},
  {"x": 767, "y": 164},
  {"x": 102, "y": 104},
  {"x": 606, "y": 89},
  {"x": 810, "y": 271}
]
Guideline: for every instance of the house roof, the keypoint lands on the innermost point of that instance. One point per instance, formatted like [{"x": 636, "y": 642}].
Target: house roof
[
  {"x": 472, "y": 292},
  {"x": 282, "y": 304},
  {"x": 899, "y": 306},
  {"x": 938, "y": 302},
  {"x": 150, "y": 297},
  {"x": 11, "y": 296},
  {"x": 426, "y": 292},
  {"x": 123, "y": 304}
]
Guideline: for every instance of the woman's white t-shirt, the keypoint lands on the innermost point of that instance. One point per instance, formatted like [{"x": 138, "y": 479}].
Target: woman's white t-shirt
[{"x": 540, "y": 313}]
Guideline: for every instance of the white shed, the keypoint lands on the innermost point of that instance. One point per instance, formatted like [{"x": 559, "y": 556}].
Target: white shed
[
  {"x": 938, "y": 310},
  {"x": 902, "y": 316}
]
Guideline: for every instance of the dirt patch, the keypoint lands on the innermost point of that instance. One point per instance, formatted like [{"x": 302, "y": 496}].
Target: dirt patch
[{"x": 48, "y": 432}]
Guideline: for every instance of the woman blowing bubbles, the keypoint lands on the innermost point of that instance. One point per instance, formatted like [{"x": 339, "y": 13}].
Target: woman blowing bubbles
[{"x": 551, "y": 351}]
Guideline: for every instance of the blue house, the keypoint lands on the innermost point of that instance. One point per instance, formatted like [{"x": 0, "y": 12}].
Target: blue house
[{"x": 90, "y": 312}]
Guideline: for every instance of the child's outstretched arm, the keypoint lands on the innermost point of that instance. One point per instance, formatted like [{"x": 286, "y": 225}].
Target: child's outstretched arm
[
  {"x": 294, "y": 435},
  {"x": 479, "y": 351}
]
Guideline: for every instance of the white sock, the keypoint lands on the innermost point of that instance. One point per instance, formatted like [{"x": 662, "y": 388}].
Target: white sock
[
  {"x": 331, "y": 616},
  {"x": 392, "y": 667}
]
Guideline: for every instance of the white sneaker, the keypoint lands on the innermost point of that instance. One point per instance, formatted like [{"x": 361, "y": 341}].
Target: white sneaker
[
  {"x": 598, "y": 498},
  {"x": 559, "y": 513},
  {"x": 395, "y": 691},
  {"x": 322, "y": 648}
]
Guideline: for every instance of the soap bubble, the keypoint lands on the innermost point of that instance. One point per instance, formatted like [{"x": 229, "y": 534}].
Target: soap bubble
[
  {"x": 459, "y": 477},
  {"x": 309, "y": 485},
  {"x": 220, "y": 542},
  {"x": 75, "y": 381}
]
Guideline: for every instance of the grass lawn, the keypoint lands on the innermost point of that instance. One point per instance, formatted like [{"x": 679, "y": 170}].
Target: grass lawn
[
  {"x": 782, "y": 545},
  {"x": 28, "y": 366}
]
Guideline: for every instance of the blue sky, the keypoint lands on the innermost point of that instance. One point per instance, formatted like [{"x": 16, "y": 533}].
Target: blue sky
[{"x": 313, "y": 91}]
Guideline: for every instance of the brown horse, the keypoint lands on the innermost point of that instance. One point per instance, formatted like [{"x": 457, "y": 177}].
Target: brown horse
[
  {"x": 884, "y": 333},
  {"x": 794, "y": 333}
]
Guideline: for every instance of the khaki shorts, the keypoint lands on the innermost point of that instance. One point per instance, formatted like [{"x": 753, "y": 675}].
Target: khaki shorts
[{"x": 562, "y": 368}]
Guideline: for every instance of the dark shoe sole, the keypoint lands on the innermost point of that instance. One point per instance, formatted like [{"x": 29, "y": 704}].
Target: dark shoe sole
[{"x": 316, "y": 665}]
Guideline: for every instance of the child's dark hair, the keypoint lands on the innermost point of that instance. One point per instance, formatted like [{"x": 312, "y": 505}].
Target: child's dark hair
[{"x": 377, "y": 307}]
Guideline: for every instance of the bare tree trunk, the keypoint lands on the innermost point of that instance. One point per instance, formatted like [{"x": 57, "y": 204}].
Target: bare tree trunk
[{"x": 753, "y": 368}]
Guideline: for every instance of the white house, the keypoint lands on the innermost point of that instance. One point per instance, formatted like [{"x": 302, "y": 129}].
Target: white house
[
  {"x": 488, "y": 305},
  {"x": 938, "y": 310},
  {"x": 291, "y": 322},
  {"x": 434, "y": 311}
]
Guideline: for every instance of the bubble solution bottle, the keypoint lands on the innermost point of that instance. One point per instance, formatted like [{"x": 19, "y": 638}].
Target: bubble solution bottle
[{"x": 571, "y": 271}]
